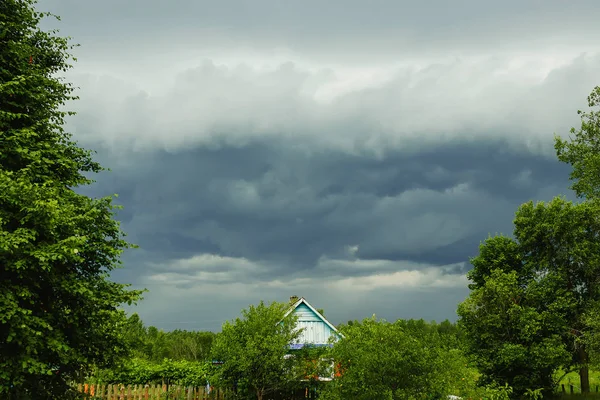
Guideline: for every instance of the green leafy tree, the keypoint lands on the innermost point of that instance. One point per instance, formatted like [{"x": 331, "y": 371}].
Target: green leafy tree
[
  {"x": 190, "y": 345},
  {"x": 150, "y": 343},
  {"x": 136, "y": 336},
  {"x": 158, "y": 344},
  {"x": 513, "y": 337},
  {"x": 498, "y": 252},
  {"x": 59, "y": 311},
  {"x": 560, "y": 240},
  {"x": 383, "y": 360},
  {"x": 254, "y": 350},
  {"x": 555, "y": 263}
]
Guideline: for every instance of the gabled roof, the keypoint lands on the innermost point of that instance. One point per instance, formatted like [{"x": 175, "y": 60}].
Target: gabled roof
[{"x": 302, "y": 300}]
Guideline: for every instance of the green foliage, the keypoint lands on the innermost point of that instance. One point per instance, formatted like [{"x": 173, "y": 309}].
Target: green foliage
[
  {"x": 561, "y": 240},
  {"x": 58, "y": 309},
  {"x": 582, "y": 150},
  {"x": 497, "y": 392},
  {"x": 591, "y": 319},
  {"x": 310, "y": 364},
  {"x": 496, "y": 253},
  {"x": 253, "y": 350},
  {"x": 510, "y": 334},
  {"x": 150, "y": 343},
  {"x": 404, "y": 359},
  {"x": 137, "y": 371},
  {"x": 530, "y": 295},
  {"x": 572, "y": 378}
]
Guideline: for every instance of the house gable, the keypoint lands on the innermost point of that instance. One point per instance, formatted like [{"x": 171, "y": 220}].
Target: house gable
[{"x": 316, "y": 330}]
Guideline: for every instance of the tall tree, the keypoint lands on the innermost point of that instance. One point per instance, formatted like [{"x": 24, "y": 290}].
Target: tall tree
[
  {"x": 513, "y": 336},
  {"x": 59, "y": 311},
  {"x": 555, "y": 261},
  {"x": 253, "y": 349},
  {"x": 190, "y": 345},
  {"x": 560, "y": 240},
  {"x": 136, "y": 337},
  {"x": 556, "y": 250},
  {"x": 582, "y": 152}
]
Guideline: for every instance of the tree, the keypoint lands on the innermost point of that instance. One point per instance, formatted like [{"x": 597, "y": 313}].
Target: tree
[
  {"x": 514, "y": 339},
  {"x": 582, "y": 150},
  {"x": 555, "y": 263},
  {"x": 382, "y": 360},
  {"x": 190, "y": 345},
  {"x": 498, "y": 252},
  {"x": 136, "y": 337},
  {"x": 59, "y": 311},
  {"x": 560, "y": 240},
  {"x": 254, "y": 349}
]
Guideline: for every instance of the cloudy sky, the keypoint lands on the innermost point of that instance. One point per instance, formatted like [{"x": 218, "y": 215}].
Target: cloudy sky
[{"x": 351, "y": 152}]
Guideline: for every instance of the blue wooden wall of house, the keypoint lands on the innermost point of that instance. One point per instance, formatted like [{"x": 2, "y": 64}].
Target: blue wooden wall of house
[{"x": 316, "y": 330}]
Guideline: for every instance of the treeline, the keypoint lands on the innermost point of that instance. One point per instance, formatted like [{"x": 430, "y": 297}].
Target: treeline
[
  {"x": 447, "y": 329},
  {"x": 449, "y": 334},
  {"x": 185, "y": 357},
  {"x": 156, "y": 356},
  {"x": 149, "y": 343},
  {"x": 153, "y": 344}
]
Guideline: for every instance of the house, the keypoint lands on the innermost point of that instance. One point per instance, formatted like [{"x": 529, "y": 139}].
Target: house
[{"x": 316, "y": 331}]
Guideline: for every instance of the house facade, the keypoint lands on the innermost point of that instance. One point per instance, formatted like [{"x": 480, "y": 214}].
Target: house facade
[{"x": 316, "y": 330}]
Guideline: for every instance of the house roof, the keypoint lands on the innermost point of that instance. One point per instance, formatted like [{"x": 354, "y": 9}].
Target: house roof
[{"x": 302, "y": 300}]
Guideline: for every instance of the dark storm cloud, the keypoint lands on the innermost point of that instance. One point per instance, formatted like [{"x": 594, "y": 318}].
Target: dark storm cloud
[{"x": 268, "y": 203}]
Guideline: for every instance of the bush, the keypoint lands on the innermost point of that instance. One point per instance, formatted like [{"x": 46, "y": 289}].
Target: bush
[{"x": 186, "y": 373}]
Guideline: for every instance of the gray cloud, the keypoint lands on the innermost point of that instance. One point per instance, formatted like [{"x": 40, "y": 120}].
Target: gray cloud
[
  {"x": 337, "y": 29},
  {"x": 265, "y": 213},
  {"x": 363, "y": 111},
  {"x": 267, "y": 201}
]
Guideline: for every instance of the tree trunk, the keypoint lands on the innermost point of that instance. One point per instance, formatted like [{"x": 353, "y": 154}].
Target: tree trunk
[
  {"x": 584, "y": 378},
  {"x": 259, "y": 393},
  {"x": 584, "y": 373}
]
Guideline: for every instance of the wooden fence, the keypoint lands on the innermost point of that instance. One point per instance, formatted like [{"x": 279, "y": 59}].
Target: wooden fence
[
  {"x": 156, "y": 392},
  {"x": 149, "y": 392}
]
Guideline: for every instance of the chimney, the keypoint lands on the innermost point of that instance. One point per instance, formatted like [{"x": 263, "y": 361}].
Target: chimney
[{"x": 293, "y": 299}]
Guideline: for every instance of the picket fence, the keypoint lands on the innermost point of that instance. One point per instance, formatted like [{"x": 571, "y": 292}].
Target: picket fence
[
  {"x": 156, "y": 392},
  {"x": 149, "y": 392}
]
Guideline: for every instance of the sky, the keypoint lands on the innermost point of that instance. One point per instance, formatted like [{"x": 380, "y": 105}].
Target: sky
[{"x": 354, "y": 153}]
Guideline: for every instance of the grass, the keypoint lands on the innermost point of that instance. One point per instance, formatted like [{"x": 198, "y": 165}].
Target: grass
[
  {"x": 579, "y": 396},
  {"x": 572, "y": 378}
]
